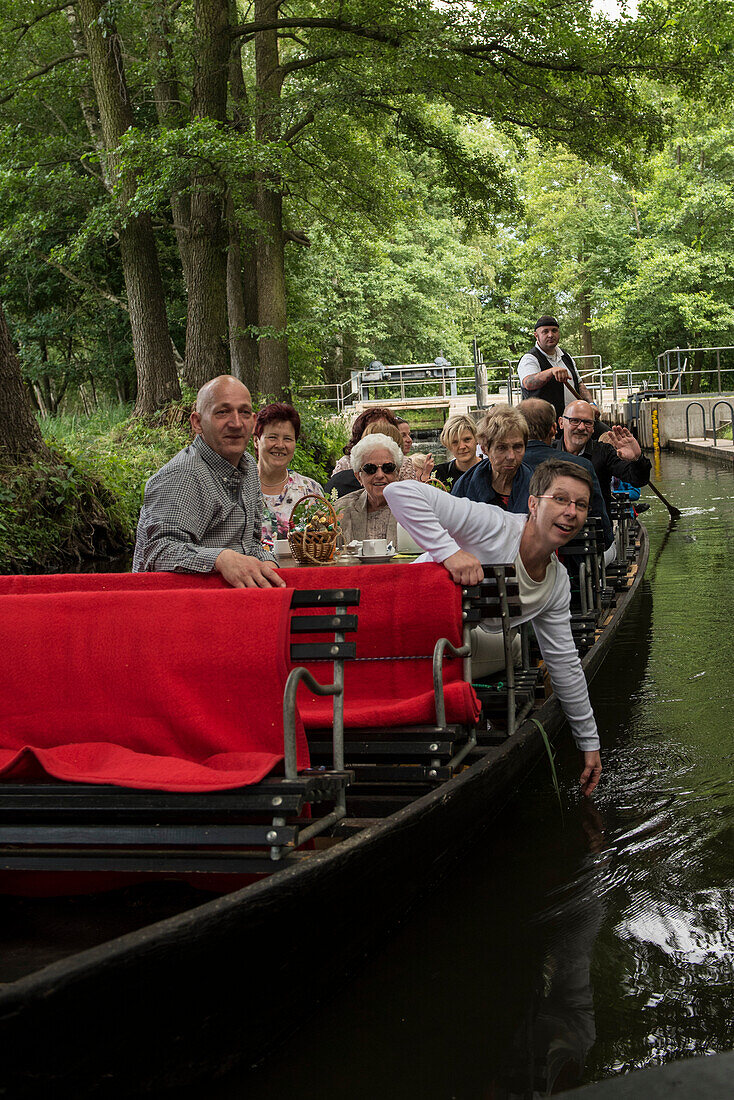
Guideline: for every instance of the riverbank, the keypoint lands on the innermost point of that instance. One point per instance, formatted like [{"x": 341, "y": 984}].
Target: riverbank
[{"x": 722, "y": 453}]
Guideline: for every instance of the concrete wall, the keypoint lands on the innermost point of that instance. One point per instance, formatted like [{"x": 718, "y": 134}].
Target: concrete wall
[{"x": 672, "y": 417}]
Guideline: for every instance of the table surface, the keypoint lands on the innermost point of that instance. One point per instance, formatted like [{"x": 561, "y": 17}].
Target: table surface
[{"x": 397, "y": 559}]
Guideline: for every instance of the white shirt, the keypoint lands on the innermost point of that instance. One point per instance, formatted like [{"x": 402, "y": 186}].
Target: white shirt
[
  {"x": 529, "y": 365},
  {"x": 443, "y": 524}
]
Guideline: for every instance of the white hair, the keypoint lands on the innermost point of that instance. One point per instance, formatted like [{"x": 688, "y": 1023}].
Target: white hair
[{"x": 375, "y": 442}]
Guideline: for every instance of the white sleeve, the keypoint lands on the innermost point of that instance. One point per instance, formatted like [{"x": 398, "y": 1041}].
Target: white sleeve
[
  {"x": 553, "y": 631},
  {"x": 528, "y": 365},
  {"x": 442, "y": 524}
]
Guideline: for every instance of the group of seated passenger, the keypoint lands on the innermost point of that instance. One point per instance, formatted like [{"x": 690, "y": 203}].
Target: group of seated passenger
[
  {"x": 491, "y": 462},
  {"x": 362, "y": 508},
  {"x": 212, "y": 508}
]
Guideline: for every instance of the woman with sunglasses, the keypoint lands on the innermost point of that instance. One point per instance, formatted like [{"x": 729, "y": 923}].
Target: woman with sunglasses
[{"x": 376, "y": 460}]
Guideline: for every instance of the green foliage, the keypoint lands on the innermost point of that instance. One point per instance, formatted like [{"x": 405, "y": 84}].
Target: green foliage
[
  {"x": 53, "y": 513},
  {"x": 119, "y": 450},
  {"x": 87, "y": 502},
  {"x": 320, "y": 442}
]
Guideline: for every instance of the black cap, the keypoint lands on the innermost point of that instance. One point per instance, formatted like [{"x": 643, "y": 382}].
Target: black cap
[{"x": 546, "y": 319}]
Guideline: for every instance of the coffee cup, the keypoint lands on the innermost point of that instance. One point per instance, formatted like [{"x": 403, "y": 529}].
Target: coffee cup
[
  {"x": 282, "y": 548},
  {"x": 374, "y": 548}
]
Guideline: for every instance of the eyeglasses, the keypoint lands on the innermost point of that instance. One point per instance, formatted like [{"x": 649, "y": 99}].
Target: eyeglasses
[
  {"x": 576, "y": 420},
  {"x": 373, "y": 467},
  {"x": 563, "y": 501}
]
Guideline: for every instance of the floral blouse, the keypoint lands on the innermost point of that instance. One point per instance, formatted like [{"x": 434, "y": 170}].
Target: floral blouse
[{"x": 277, "y": 509}]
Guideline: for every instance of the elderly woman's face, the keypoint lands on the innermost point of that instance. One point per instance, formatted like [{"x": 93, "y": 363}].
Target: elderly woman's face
[
  {"x": 505, "y": 455},
  {"x": 374, "y": 477}
]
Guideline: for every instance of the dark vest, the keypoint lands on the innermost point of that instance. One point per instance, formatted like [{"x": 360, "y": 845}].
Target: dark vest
[{"x": 553, "y": 391}]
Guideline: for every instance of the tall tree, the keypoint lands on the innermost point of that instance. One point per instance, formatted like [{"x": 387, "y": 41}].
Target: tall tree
[
  {"x": 156, "y": 369},
  {"x": 207, "y": 352}
]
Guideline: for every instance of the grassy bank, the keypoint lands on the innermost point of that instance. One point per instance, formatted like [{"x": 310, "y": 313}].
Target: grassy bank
[{"x": 86, "y": 502}]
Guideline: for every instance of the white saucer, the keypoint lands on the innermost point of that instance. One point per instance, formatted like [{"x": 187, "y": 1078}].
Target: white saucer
[{"x": 374, "y": 559}]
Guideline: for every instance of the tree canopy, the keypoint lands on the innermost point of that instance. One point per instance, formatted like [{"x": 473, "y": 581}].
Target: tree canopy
[{"x": 281, "y": 190}]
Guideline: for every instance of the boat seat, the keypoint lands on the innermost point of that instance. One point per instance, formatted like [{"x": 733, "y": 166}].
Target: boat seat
[
  {"x": 200, "y": 817},
  {"x": 383, "y": 760}
]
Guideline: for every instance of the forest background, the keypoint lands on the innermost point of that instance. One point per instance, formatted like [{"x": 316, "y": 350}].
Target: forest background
[{"x": 286, "y": 191}]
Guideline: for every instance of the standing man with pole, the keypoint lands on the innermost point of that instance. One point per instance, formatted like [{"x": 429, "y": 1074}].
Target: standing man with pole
[{"x": 545, "y": 368}]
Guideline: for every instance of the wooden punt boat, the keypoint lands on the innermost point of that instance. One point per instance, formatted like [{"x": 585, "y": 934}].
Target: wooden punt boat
[{"x": 189, "y": 997}]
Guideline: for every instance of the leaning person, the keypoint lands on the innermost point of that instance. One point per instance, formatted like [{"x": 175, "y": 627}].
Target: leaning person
[
  {"x": 202, "y": 511},
  {"x": 376, "y": 461},
  {"x": 464, "y": 535},
  {"x": 276, "y": 433}
]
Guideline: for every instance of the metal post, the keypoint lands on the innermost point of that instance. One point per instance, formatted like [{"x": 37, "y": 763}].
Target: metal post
[{"x": 718, "y": 367}]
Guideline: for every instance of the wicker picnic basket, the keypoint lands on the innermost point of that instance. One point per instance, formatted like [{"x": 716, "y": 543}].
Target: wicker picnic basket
[{"x": 316, "y": 543}]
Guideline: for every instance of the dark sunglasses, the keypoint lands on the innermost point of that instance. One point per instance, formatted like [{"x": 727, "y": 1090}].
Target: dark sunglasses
[{"x": 373, "y": 467}]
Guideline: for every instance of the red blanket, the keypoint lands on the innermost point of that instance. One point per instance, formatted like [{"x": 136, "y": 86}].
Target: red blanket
[
  {"x": 403, "y": 611},
  {"x": 175, "y": 686}
]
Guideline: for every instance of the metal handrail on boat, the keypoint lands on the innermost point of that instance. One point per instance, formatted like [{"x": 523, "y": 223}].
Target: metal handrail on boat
[{"x": 443, "y": 644}]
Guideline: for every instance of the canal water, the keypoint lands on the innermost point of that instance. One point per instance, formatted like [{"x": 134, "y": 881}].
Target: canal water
[{"x": 579, "y": 940}]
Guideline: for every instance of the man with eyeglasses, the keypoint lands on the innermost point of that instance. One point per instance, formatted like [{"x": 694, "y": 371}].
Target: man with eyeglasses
[
  {"x": 545, "y": 368},
  {"x": 542, "y": 424},
  {"x": 623, "y": 459},
  {"x": 464, "y": 535}
]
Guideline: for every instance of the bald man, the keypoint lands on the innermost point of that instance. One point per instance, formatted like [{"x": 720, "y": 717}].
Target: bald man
[
  {"x": 202, "y": 510},
  {"x": 624, "y": 459}
]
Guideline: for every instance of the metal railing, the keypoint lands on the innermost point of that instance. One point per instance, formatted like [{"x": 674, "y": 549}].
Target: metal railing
[
  {"x": 416, "y": 381},
  {"x": 399, "y": 382},
  {"x": 673, "y": 364},
  {"x": 713, "y": 418},
  {"x": 689, "y": 406}
]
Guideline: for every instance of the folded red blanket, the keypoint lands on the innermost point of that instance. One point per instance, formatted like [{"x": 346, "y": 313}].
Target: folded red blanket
[
  {"x": 174, "y": 688},
  {"x": 403, "y": 611}
]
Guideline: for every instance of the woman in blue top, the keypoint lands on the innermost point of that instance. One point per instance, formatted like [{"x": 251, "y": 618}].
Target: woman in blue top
[{"x": 502, "y": 478}]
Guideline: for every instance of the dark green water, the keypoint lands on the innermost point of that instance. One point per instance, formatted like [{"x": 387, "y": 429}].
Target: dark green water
[{"x": 563, "y": 951}]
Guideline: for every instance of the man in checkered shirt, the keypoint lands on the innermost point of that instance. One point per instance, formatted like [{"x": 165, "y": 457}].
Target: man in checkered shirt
[{"x": 202, "y": 510}]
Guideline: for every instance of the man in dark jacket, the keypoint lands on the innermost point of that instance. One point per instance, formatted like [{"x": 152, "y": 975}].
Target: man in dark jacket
[
  {"x": 544, "y": 369},
  {"x": 624, "y": 459},
  {"x": 541, "y": 418}
]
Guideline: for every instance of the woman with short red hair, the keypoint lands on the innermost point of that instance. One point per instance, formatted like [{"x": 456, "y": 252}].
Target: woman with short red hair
[{"x": 274, "y": 437}]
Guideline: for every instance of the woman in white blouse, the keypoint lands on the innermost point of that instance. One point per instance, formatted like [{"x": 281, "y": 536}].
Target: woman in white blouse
[{"x": 464, "y": 535}]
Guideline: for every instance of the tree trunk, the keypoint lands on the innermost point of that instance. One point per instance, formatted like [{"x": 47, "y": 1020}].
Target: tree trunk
[
  {"x": 242, "y": 255},
  {"x": 20, "y": 437},
  {"x": 694, "y": 377},
  {"x": 242, "y": 304},
  {"x": 156, "y": 370},
  {"x": 585, "y": 332},
  {"x": 169, "y": 108},
  {"x": 206, "y": 328},
  {"x": 271, "y": 291}
]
